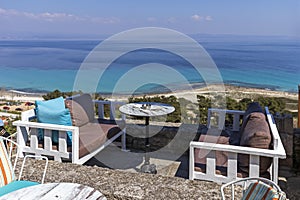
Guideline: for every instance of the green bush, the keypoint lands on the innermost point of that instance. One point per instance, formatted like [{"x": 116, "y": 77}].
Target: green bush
[
  {"x": 9, "y": 127},
  {"x": 182, "y": 105},
  {"x": 57, "y": 93}
]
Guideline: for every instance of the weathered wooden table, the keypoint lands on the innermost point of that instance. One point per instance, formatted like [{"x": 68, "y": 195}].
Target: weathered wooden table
[
  {"x": 147, "y": 110},
  {"x": 52, "y": 191}
]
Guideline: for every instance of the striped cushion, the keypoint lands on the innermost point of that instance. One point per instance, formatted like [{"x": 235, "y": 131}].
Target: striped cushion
[
  {"x": 6, "y": 170},
  {"x": 262, "y": 191}
]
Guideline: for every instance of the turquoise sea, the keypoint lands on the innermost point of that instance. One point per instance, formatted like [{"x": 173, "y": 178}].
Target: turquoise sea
[{"x": 45, "y": 65}]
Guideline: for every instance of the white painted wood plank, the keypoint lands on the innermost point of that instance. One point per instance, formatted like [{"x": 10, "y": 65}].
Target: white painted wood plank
[
  {"x": 34, "y": 138},
  {"x": 45, "y": 126},
  {"x": 192, "y": 164},
  {"x": 62, "y": 141},
  {"x": 47, "y": 139},
  {"x": 59, "y": 191},
  {"x": 211, "y": 163},
  {"x": 254, "y": 166},
  {"x": 232, "y": 166},
  {"x": 238, "y": 149},
  {"x": 221, "y": 120}
]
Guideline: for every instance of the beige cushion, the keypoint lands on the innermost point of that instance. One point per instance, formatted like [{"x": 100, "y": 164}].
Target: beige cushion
[
  {"x": 81, "y": 109},
  {"x": 256, "y": 133}
]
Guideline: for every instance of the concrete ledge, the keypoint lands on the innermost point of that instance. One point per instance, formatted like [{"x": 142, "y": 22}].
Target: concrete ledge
[{"x": 116, "y": 184}]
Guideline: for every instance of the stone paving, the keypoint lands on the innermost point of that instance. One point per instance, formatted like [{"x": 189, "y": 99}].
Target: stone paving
[
  {"x": 171, "y": 182},
  {"x": 120, "y": 184}
]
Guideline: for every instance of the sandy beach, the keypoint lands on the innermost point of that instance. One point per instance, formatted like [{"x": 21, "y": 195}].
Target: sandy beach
[{"x": 235, "y": 92}]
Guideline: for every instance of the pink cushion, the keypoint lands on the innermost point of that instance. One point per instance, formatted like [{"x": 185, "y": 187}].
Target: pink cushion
[
  {"x": 256, "y": 133},
  {"x": 93, "y": 135},
  {"x": 221, "y": 157},
  {"x": 81, "y": 109}
]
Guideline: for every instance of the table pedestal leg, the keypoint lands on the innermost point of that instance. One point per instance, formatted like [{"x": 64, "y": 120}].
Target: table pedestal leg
[{"x": 147, "y": 167}]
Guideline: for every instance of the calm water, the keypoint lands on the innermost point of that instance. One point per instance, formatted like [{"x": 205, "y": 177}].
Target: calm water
[{"x": 263, "y": 62}]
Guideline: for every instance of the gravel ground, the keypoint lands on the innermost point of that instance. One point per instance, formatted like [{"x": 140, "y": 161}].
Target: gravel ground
[{"x": 116, "y": 184}]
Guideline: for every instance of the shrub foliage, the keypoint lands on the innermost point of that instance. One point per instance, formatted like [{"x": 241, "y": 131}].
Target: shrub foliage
[{"x": 188, "y": 112}]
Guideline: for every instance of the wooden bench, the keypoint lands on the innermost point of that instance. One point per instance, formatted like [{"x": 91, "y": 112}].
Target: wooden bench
[
  {"x": 87, "y": 139},
  {"x": 232, "y": 151}
]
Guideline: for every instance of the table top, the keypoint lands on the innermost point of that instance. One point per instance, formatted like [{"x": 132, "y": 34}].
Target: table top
[
  {"x": 146, "y": 109},
  {"x": 65, "y": 191}
]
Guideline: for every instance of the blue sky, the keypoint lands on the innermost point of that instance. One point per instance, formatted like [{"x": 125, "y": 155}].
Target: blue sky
[{"x": 90, "y": 18}]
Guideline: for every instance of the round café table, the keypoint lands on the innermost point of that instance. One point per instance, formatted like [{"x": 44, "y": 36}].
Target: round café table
[
  {"x": 55, "y": 191},
  {"x": 147, "y": 110}
]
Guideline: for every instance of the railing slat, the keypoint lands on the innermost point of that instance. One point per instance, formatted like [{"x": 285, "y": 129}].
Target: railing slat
[
  {"x": 34, "y": 138},
  {"x": 47, "y": 139},
  {"x": 211, "y": 163},
  {"x": 62, "y": 141},
  {"x": 253, "y": 166},
  {"x": 232, "y": 165}
]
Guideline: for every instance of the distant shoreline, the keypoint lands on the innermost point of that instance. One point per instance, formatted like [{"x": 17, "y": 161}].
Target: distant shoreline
[
  {"x": 236, "y": 92},
  {"x": 175, "y": 88}
]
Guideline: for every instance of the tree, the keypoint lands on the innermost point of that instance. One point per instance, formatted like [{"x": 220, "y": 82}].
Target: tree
[
  {"x": 57, "y": 93},
  {"x": 204, "y": 104}
]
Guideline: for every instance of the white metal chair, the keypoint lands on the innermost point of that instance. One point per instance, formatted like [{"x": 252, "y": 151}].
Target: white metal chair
[
  {"x": 255, "y": 189},
  {"x": 9, "y": 151}
]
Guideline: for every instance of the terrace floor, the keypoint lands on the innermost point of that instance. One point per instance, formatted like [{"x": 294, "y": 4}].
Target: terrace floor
[
  {"x": 171, "y": 158},
  {"x": 168, "y": 166},
  {"x": 289, "y": 180},
  {"x": 125, "y": 183},
  {"x": 120, "y": 184},
  {"x": 116, "y": 173},
  {"x": 132, "y": 161}
]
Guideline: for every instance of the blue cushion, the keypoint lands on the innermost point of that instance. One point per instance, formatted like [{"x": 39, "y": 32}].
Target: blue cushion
[
  {"x": 56, "y": 104},
  {"x": 16, "y": 185},
  {"x": 53, "y": 112},
  {"x": 60, "y": 117}
]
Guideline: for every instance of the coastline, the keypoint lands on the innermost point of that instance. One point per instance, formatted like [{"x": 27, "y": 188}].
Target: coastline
[
  {"x": 235, "y": 92},
  {"x": 17, "y": 95}
]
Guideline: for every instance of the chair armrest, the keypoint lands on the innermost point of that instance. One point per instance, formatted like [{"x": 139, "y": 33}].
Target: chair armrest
[
  {"x": 45, "y": 126},
  {"x": 237, "y": 149},
  {"x": 34, "y": 156}
]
